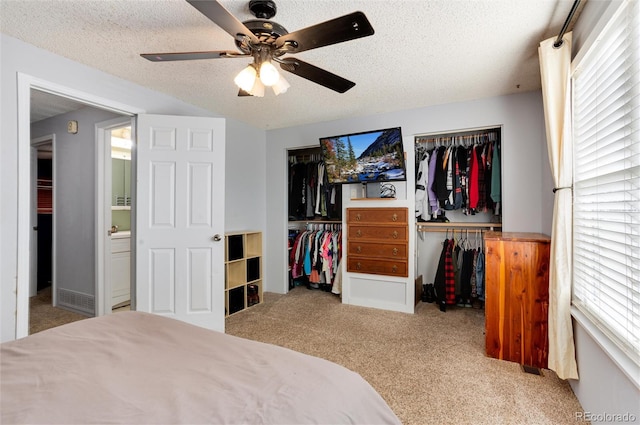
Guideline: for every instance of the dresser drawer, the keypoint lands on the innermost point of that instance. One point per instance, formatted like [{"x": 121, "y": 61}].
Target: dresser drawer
[
  {"x": 387, "y": 250},
  {"x": 377, "y": 215},
  {"x": 388, "y": 233},
  {"x": 374, "y": 266}
]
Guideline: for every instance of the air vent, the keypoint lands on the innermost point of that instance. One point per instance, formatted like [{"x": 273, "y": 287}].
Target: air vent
[
  {"x": 532, "y": 370},
  {"x": 76, "y": 300}
]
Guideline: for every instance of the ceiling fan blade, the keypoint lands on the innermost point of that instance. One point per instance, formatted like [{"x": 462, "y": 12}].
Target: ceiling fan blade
[
  {"x": 315, "y": 74},
  {"x": 223, "y": 18},
  {"x": 344, "y": 28},
  {"x": 187, "y": 56}
]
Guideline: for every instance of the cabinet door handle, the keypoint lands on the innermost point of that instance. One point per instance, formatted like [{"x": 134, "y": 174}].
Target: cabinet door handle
[
  {"x": 358, "y": 217},
  {"x": 358, "y": 266},
  {"x": 358, "y": 249},
  {"x": 359, "y": 232},
  {"x": 394, "y": 217},
  {"x": 394, "y": 235},
  {"x": 395, "y": 251},
  {"x": 394, "y": 268}
]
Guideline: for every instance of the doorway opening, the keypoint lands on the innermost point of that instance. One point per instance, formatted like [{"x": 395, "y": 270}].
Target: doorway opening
[
  {"x": 64, "y": 285},
  {"x": 121, "y": 290}
]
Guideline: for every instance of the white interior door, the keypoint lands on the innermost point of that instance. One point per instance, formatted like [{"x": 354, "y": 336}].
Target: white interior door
[{"x": 180, "y": 210}]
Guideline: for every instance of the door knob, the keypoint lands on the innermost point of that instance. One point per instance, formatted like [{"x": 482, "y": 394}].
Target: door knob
[{"x": 217, "y": 237}]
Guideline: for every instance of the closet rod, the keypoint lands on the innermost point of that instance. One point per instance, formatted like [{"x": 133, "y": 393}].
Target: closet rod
[
  {"x": 449, "y": 133},
  {"x": 559, "y": 42},
  {"x": 315, "y": 222},
  {"x": 443, "y": 227}
]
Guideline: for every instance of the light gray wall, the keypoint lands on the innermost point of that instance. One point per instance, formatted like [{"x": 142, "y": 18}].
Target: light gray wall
[
  {"x": 525, "y": 191},
  {"x": 19, "y": 57},
  {"x": 246, "y": 172},
  {"x": 602, "y": 387},
  {"x": 75, "y": 196}
]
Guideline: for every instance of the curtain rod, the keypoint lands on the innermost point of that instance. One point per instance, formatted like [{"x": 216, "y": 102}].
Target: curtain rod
[{"x": 558, "y": 43}]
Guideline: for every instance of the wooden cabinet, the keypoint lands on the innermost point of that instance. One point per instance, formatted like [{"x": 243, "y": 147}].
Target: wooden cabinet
[
  {"x": 517, "y": 297},
  {"x": 377, "y": 241},
  {"x": 120, "y": 269},
  {"x": 243, "y": 271}
]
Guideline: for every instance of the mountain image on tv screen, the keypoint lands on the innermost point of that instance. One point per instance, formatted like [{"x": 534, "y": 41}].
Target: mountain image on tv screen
[{"x": 364, "y": 157}]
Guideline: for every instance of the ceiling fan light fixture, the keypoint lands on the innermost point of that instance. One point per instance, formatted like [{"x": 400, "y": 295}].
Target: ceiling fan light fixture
[
  {"x": 246, "y": 78},
  {"x": 258, "y": 89},
  {"x": 269, "y": 74},
  {"x": 281, "y": 86}
]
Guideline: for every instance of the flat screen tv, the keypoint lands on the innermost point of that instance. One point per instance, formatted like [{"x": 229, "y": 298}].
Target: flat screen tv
[{"x": 370, "y": 156}]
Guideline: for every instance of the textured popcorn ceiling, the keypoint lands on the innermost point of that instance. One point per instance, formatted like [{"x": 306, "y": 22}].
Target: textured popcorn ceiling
[{"x": 423, "y": 52}]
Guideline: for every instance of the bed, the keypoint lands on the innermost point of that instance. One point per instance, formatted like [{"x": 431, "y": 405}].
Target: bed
[{"x": 140, "y": 368}]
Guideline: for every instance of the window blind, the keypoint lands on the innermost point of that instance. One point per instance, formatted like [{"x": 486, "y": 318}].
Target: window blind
[{"x": 606, "y": 209}]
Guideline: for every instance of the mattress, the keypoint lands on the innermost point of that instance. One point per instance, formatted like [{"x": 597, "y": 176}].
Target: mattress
[{"x": 140, "y": 368}]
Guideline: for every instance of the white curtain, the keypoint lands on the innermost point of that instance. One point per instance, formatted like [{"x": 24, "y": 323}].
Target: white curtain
[{"x": 555, "y": 70}]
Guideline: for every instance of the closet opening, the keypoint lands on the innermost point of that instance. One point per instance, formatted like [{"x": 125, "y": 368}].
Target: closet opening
[
  {"x": 314, "y": 223},
  {"x": 458, "y": 198}
]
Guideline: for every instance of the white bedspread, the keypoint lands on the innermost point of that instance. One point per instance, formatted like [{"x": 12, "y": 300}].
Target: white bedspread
[{"x": 139, "y": 368}]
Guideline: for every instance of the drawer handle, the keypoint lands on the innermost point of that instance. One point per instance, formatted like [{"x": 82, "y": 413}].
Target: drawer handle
[
  {"x": 358, "y": 266},
  {"x": 358, "y": 217},
  {"x": 395, "y": 251},
  {"x": 359, "y": 232},
  {"x": 394, "y": 268},
  {"x": 394, "y": 235},
  {"x": 358, "y": 249},
  {"x": 394, "y": 217}
]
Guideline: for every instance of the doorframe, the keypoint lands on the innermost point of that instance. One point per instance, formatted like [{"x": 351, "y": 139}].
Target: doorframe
[
  {"x": 25, "y": 83},
  {"x": 103, "y": 210}
]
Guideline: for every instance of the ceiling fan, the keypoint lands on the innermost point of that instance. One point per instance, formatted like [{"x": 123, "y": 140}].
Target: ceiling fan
[{"x": 267, "y": 41}]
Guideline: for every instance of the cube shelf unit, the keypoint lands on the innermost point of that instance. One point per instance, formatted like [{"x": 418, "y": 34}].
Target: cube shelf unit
[{"x": 243, "y": 269}]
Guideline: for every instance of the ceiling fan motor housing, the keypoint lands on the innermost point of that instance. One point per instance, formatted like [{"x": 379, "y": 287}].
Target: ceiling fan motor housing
[
  {"x": 266, "y": 31},
  {"x": 263, "y": 9}
]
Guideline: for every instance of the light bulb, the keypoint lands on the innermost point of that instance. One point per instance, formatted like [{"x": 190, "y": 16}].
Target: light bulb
[
  {"x": 258, "y": 89},
  {"x": 281, "y": 86},
  {"x": 269, "y": 75},
  {"x": 246, "y": 78}
]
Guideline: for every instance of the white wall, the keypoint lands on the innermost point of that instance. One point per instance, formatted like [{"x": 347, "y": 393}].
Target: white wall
[
  {"x": 19, "y": 57},
  {"x": 525, "y": 192},
  {"x": 603, "y": 387}
]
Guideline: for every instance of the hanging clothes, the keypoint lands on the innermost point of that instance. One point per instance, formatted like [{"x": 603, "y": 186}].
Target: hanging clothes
[
  {"x": 482, "y": 200},
  {"x": 422, "y": 181},
  {"x": 316, "y": 254},
  {"x": 431, "y": 192},
  {"x": 496, "y": 186},
  {"x": 297, "y": 191},
  {"x": 310, "y": 194},
  {"x": 463, "y": 174},
  {"x": 459, "y": 277}
]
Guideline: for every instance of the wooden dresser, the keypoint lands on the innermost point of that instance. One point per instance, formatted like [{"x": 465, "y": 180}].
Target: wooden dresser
[
  {"x": 517, "y": 297},
  {"x": 378, "y": 241}
]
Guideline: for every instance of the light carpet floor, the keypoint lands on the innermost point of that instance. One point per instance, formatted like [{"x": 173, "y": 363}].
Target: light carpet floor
[
  {"x": 42, "y": 315},
  {"x": 430, "y": 367}
]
